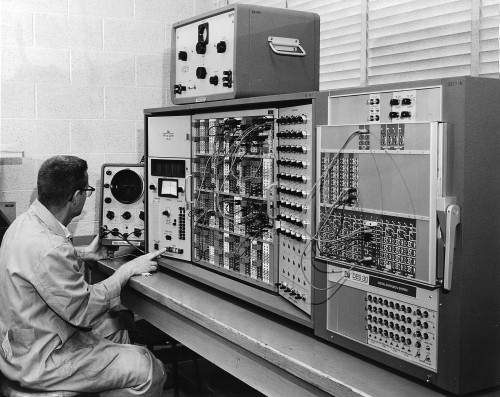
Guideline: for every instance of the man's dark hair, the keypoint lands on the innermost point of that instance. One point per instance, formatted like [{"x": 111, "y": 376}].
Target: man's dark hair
[{"x": 59, "y": 178}]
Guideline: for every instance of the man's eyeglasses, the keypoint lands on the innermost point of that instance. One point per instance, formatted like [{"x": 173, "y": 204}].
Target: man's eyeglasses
[{"x": 89, "y": 190}]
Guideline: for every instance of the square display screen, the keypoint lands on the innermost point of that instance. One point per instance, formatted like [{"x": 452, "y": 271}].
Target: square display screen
[{"x": 168, "y": 188}]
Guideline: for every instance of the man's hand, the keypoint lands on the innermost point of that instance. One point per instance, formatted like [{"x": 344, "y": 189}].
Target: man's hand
[
  {"x": 95, "y": 251},
  {"x": 144, "y": 263}
]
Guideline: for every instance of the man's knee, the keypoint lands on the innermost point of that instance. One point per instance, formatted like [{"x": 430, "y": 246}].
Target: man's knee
[
  {"x": 142, "y": 374},
  {"x": 152, "y": 372},
  {"x": 159, "y": 374}
]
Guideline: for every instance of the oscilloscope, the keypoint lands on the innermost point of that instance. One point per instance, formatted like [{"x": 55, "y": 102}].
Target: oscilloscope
[{"x": 122, "y": 213}]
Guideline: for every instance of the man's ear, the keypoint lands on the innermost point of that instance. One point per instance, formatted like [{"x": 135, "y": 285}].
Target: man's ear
[{"x": 74, "y": 198}]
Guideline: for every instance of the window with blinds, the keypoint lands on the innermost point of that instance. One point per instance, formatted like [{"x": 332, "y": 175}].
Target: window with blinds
[
  {"x": 366, "y": 42},
  {"x": 421, "y": 39},
  {"x": 489, "y": 38},
  {"x": 342, "y": 48}
]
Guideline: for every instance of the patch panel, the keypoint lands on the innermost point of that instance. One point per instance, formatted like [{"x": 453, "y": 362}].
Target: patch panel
[
  {"x": 379, "y": 242},
  {"x": 240, "y": 171}
]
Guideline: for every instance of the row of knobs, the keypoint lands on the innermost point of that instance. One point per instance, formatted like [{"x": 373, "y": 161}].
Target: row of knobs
[
  {"x": 290, "y": 206},
  {"x": 392, "y": 102},
  {"x": 397, "y": 317},
  {"x": 116, "y": 232},
  {"x": 292, "y": 292},
  {"x": 398, "y": 338},
  {"x": 292, "y": 191},
  {"x": 126, "y": 215},
  {"x": 387, "y": 334},
  {"x": 397, "y": 306},
  {"x": 401, "y": 328},
  {"x": 291, "y": 134},
  {"x": 201, "y": 48},
  {"x": 292, "y": 148},
  {"x": 292, "y": 119},
  {"x": 292, "y": 234},
  {"x": 291, "y": 177},
  {"x": 404, "y": 115},
  {"x": 292, "y": 163},
  {"x": 393, "y": 115},
  {"x": 290, "y": 219}
]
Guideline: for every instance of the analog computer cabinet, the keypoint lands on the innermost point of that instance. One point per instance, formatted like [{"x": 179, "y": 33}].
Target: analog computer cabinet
[
  {"x": 229, "y": 195},
  {"x": 407, "y": 266}
]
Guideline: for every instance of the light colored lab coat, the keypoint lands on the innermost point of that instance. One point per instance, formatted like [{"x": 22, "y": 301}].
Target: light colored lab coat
[{"x": 47, "y": 310}]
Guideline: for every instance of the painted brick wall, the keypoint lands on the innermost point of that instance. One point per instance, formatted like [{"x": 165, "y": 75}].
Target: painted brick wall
[{"x": 75, "y": 78}]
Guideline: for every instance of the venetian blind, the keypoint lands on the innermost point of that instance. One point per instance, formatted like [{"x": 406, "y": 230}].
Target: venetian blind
[
  {"x": 342, "y": 49},
  {"x": 421, "y": 39},
  {"x": 489, "y": 38},
  {"x": 366, "y": 42}
]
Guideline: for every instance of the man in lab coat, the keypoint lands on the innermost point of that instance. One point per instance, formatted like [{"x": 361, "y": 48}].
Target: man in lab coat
[{"x": 47, "y": 309}]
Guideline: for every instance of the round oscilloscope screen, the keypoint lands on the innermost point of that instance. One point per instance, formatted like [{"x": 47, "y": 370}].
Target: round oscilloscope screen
[{"x": 127, "y": 186}]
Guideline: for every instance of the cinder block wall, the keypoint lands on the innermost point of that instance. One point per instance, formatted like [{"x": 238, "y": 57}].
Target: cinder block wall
[{"x": 75, "y": 78}]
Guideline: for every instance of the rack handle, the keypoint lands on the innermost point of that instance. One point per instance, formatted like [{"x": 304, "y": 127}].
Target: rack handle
[
  {"x": 190, "y": 200},
  {"x": 270, "y": 211},
  {"x": 286, "y": 46},
  {"x": 452, "y": 221}
]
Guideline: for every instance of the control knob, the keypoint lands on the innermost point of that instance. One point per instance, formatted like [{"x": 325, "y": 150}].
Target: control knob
[
  {"x": 201, "y": 48},
  {"x": 201, "y": 72},
  {"x": 221, "y": 47},
  {"x": 126, "y": 215},
  {"x": 214, "y": 80}
]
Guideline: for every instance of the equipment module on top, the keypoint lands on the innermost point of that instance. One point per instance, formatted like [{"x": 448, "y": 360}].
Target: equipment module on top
[{"x": 242, "y": 51}]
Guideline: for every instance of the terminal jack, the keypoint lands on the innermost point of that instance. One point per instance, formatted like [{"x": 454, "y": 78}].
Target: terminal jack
[
  {"x": 227, "y": 80},
  {"x": 174, "y": 250},
  {"x": 178, "y": 88}
]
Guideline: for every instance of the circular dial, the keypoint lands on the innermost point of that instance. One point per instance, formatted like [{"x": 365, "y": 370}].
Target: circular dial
[{"x": 127, "y": 186}]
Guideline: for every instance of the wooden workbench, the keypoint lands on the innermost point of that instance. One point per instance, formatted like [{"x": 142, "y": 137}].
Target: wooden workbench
[{"x": 274, "y": 356}]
